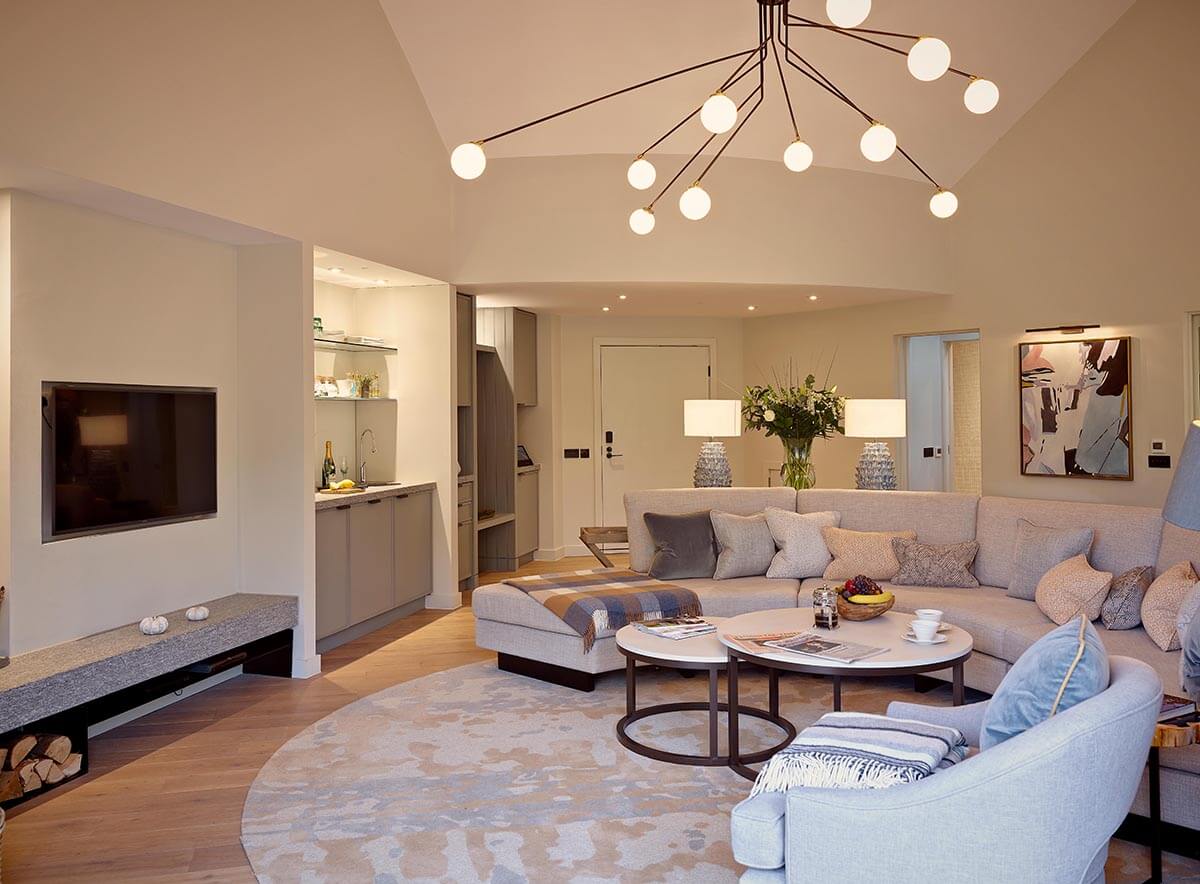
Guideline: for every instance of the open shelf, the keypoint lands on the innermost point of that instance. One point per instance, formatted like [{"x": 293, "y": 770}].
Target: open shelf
[
  {"x": 347, "y": 347},
  {"x": 493, "y": 521},
  {"x": 485, "y": 348},
  {"x": 353, "y": 399}
]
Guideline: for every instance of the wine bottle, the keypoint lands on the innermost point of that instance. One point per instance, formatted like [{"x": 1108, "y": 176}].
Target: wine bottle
[{"x": 328, "y": 468}]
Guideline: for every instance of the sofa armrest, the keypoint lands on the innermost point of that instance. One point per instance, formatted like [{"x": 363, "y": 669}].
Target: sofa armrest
[{"x": 967, "y": 719}]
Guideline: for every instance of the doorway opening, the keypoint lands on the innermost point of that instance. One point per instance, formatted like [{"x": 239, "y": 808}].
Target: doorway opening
[
  {"x": 640, "y": 388},
  {"x": 944, "y": 443}
]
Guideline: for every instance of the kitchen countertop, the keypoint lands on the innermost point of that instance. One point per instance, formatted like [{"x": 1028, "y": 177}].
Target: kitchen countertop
[{"x": 372, "y": 492}]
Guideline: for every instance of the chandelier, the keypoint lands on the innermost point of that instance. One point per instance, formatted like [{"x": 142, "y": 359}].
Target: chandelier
[{"x": 724, "y": 112}]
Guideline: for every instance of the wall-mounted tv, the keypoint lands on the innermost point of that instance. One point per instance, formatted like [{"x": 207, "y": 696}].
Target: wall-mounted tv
[{"x": 116, "y": 457}]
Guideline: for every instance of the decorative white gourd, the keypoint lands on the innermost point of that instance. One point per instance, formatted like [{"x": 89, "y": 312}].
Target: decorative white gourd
[
  {"x": 153, "y": 625},
  {"x": 197, "y": 612}
]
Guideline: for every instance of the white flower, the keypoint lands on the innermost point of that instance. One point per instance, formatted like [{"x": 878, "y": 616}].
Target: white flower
[{"x": 768, "y": 415}]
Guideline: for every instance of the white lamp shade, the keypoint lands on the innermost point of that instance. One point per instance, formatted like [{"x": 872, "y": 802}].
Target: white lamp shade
[
  {"x": 876, "y": 418},
  {"x": 712, "y": 417}
]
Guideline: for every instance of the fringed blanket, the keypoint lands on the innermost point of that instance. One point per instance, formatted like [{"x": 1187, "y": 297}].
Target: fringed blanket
[
  {"x": 607, "y": 598},
  {"x": 852, "y": 750}
]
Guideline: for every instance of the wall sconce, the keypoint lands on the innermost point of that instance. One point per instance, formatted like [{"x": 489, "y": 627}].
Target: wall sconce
[{"x": 1065, "y": 329}]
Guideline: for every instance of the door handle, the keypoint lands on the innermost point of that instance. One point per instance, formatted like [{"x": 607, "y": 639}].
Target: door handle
[{"x": 608, "y": 452}]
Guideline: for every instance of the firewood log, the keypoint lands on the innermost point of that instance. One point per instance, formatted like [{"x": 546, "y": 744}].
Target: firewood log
[
  {"x": 10, "y": 785},
  {"x": 55, "y": 774},
  {"x": 53, "y": 746},
  {"x": 72, "y": 765},
  {"x": 19, "y": 747},
  {"x": 42, "y": 766},
  {"x": 30, "y": 780}
]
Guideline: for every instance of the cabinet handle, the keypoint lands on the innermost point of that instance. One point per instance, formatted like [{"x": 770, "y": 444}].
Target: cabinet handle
[
  {"x": 344, "y": 506},
  {"x": 373, "y": 502},
  {"x": 401, "y": 496}
]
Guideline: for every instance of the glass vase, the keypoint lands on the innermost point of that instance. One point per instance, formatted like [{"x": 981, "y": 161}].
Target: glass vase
[{"x": 798, "y": 471}]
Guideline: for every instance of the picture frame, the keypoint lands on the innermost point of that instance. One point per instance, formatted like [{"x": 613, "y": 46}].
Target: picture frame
[
  {"x": 523, "y": 458},
  {"x": 1076, "y": 408}
]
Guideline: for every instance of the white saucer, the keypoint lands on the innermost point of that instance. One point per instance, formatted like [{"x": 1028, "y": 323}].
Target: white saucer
[{"x": 936, "y": 640}]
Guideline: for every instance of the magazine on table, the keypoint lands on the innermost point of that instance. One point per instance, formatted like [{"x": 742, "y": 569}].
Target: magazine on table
[
  {"x": 1175, "y": 707},
  {"x": 758, "y": 644},
  {"x": 811, "y": 645},
  {"x": 676, "y": 628}
]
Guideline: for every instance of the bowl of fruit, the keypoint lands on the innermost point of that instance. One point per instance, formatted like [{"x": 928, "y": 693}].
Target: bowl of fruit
[{"x": 861, "y": 599}]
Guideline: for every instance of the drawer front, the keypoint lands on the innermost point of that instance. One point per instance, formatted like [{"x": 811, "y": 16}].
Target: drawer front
[
  {"x": 466, "y": 512},
  {"x": 466, "y": 492}
]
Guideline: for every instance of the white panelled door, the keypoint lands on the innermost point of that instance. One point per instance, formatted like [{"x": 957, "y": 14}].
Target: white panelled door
[{"x": 641, "y": 445}]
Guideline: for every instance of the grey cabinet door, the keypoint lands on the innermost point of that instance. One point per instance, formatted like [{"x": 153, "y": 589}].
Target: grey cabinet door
[
  {"x": 372, "y": 582},
  {"x": 466, "y": 349},
  {"x": 333, "y": 571},
  {"x": 414, "y": 547},
  {"x": 527, "y": 512},
  {"x": 525, "y": 384}
]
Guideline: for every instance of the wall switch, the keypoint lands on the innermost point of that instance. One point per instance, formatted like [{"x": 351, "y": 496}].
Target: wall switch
[
  {"x": 1159, "y": 461},
  {"x": 1158, "y": 446},
  {"x": 927, "y": 452},
  {"x": 585, "y": 452},
  {"x": 570, "y": 452}
]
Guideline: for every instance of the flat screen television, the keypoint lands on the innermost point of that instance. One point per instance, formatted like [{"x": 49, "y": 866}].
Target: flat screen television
[{"x": 115, "y": 458}]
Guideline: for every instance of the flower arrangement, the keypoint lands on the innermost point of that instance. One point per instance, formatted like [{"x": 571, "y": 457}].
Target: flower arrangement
[
  {"x": 364, "y": 381},
  {"x": 796, "y": 413}
]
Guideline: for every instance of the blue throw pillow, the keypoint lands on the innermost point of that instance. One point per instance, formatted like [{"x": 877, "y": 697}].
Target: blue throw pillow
[{"x": 1062, "y": 668}]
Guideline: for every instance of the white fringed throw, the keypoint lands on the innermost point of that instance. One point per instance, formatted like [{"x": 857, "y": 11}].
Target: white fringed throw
[{"x": 853, "y": 750}]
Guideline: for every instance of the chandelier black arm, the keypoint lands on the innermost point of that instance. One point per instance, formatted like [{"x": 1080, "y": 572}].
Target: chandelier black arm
[
  {"x": 838, "y": 93},
  {"x": 693, "y": 157},
  {"x": 856, "y": 34},
  {"x": 617, "y": 92},
  {"x": 729, "y": 84},
  {"x": 783, "y": 83},
  {"x": 732, "y": 135}
]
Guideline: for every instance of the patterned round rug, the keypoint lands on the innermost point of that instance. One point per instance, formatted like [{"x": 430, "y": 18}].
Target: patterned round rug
[{"x": 478, "y": 775}]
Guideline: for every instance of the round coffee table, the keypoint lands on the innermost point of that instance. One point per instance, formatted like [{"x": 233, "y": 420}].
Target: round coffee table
[
  {"x": 705, "y": 652},
  {"x": 900, "y": 657}
]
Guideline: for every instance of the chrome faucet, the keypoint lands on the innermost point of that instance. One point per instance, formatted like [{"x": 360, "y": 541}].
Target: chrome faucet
[{"x": 362, "y": 464}]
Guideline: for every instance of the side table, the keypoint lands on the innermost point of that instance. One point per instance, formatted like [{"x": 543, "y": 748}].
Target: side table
[
  {"x": 593, "y": 537},
  {"x": 1168, "y": 735}
]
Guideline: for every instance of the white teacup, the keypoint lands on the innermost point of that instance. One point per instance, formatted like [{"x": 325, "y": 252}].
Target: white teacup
[
  {"x": 924, "y": 630},
  {"x": 929, "y": 614}
]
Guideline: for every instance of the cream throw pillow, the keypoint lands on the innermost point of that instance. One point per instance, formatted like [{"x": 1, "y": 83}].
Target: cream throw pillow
[
  {"x": 1164, "y": 598},
  {"x": 802, "y": 551},
  {"x": 1071, "y": 588},
  {"x": 862, "y": 552}
]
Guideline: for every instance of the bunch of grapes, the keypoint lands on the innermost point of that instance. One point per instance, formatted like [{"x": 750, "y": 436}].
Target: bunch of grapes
[{"x": 860, "y": 585}]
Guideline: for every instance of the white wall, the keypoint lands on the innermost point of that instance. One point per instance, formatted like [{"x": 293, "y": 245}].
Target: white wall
[{"x": 97, "y": 298}]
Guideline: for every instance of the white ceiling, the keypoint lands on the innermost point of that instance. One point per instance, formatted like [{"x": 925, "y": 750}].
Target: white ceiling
[
  {"x": 678, "y": 299},
  {"x": 359, "y": 273},
  {"x": 485, "y": 66}
]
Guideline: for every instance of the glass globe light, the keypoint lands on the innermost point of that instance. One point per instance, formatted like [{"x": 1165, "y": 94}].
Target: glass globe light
[
  {"x": 641, "y": 174},
  {"x": 847, "y": 13},
  {"x": 468, "y": 160},
  {"x": 981, "y": 96},
  {"x": 943, "y": 204},
  {"x": 694, "y": 203},
  {"x": 878, "y": 143},
  {"x": 641, "y": 221},
  {"x": 798, "y": 156},
  {"x": 718, "y": 113},
  {"x": 928, "y": 59}
]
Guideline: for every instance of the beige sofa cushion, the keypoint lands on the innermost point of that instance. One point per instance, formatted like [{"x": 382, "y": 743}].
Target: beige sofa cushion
[
  {"x": 741, "y": 501},
  {"x": 862, "y": 552},
  {"x": 1164, "y": 598},
  {"x": 741, "y": 595},
  {"x": 1072, "y": 587},
  {"x": 936, "y": 517},
  {"x": 1178, "y": 545},
  {"x": 1125, "y": 536}
]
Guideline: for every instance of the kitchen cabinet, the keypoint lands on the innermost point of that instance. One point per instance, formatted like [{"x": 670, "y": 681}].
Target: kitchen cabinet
[
  {"x": 525, "y": 384},
  {"x": 333, "y": 570},
  {"x": 412, "y": 546},
  {"x": 527, "y": 511},
  {"x": 372, "y": 572}
]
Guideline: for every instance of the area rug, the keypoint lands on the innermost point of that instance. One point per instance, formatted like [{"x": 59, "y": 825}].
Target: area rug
[{"x": 474, "y": 775}]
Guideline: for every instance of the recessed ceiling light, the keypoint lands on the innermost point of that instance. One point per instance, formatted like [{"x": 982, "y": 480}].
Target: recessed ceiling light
[
  {"x": 381, "y": 282},
  {"x": 812, "y": 297},
  {"x": 622, "y": 297},
  {"x": 751, "y": 307},
  {"x": 335, "y": 269},
  {"x": 605, "y": 309}
]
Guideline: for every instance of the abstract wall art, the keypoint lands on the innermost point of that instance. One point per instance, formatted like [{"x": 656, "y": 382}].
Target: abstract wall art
[{"x": 1076, "y": 409}]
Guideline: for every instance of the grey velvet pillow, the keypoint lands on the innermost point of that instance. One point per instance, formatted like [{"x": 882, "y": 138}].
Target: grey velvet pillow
[
  {"x": 928, "y": 564},
  {"x": 745, "y": 544},
  {"x": 1038, "y": 549},
  {"x": 1123, "y": 607},
  {"x": 684, "y": 545}
]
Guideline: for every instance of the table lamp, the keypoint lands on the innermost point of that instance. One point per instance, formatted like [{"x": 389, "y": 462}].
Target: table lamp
[
  {"x": 876, "y": 419},
  {"x": 710, "y": 418},
  {"x": 1183, "y": 500}
]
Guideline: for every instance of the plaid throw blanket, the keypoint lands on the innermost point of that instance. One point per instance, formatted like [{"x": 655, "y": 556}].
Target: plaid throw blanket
[
  {"x": 852, "y": 750},
  {"x": 606, "y": 598}
]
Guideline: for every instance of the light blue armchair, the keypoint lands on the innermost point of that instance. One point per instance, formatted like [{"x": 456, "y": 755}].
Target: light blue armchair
[{"x": 1040, "y": 807}]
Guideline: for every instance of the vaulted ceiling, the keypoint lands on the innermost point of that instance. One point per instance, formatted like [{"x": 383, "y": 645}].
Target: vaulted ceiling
[{"x": 484, "y": 66}]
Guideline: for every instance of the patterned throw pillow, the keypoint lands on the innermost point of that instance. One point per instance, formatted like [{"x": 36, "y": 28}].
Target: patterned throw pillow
[
  {"x": 1123, "y": 607},
  {"x": 928, "y": 564},
  {"x": 745, "y": 543},
  {"x": 1038, "y": 549},
  {"x": 802, "y": 551},
  {"x": 862, "y": 552},
  {"x": 1072, "y": 588},
  {"x": 1164, "y": 598}
]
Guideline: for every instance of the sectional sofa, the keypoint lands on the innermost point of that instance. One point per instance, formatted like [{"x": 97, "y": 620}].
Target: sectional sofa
[{"x": 528, "y": 639}]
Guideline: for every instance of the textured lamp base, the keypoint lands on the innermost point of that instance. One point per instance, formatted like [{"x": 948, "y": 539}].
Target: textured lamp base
[
  {"x": 876, "y": 470},
  {"x": 712, "y": 467}
]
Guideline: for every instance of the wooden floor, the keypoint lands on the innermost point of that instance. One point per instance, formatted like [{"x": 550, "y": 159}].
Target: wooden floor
[{"x": 163, "y": 799}]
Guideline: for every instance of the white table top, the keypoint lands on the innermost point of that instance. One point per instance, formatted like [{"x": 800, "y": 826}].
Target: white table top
[
  {"x": 701, "y": 649},
  {"x": 884, "y": 631}
]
